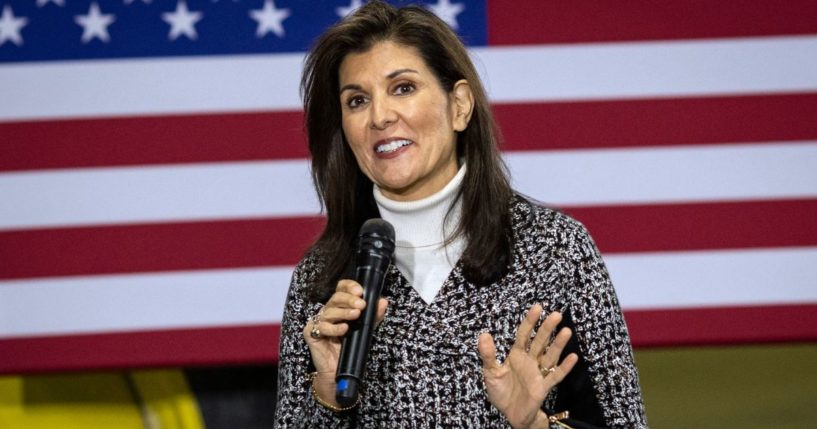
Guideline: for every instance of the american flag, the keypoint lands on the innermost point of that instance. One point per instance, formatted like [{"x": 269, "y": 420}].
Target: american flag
[{"x": 155, "y": 191}]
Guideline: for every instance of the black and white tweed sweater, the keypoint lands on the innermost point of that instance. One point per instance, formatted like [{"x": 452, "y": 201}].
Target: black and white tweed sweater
[{"x": 424, "y": 370}]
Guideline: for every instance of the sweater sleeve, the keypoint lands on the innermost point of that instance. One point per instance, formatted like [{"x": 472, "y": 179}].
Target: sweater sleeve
[
  {"x": 607, "y": 368},
  {"x": 296, "y": 407}
]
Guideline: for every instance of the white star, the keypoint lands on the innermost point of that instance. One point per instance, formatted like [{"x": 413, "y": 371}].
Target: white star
[
  {"x": 447, "y": 12},
  {"x": 182, "y": 21},
  {"x": 41, "y": 3},
  {"x": 10, "y": 27},
  {"x": 95, "y": 24},
  {"x": 343, "y": 12},
  {"x": 131, "y": 1},
  {"x": 269, "y": 19}
]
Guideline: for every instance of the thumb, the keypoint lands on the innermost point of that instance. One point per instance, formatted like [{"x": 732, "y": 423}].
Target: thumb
[
  {"x": 487, "y": 351},
  {"x": 382, "y": 304}
]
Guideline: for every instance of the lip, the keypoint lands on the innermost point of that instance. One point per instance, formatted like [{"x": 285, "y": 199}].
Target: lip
[{"x": 387, "y": 155}]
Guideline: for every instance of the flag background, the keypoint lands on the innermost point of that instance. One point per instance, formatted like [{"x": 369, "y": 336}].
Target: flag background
[{"x": 155, "y": 191}]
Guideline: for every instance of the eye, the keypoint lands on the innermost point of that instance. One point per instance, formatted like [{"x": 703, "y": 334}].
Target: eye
[
  {"x": 404, "y": 88},
  {"x": 355, "y": 101}
]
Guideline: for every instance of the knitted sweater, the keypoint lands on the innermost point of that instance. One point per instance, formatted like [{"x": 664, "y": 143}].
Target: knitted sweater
[{"x": 424, "y": 370}]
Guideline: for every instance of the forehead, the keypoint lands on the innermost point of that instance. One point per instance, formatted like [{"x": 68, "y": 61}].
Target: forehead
[{"x": 380, "y": 60}]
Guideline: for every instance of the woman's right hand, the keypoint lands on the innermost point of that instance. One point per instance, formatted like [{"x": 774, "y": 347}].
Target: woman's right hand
[{"x": 345, "y": 305}]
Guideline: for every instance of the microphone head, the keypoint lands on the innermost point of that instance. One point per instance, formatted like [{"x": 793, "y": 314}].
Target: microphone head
[{"x": 377, "y": 235}]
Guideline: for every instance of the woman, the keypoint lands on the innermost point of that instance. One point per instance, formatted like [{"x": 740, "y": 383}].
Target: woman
[{"x": 399, "y": 127}]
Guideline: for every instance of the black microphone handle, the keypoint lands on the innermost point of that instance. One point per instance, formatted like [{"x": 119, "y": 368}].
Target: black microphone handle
[{"x": 358, "y": 339}]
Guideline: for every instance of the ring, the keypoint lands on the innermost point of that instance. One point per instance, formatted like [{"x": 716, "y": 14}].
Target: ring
[
  {"x": 546, "y": 371},
  {"x": 316, "y": 333}
]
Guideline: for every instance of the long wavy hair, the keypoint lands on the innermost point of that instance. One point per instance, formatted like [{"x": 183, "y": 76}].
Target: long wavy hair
[{"x": 346, "y": 193}]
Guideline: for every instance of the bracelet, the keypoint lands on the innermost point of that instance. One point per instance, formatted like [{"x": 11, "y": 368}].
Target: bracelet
[{"x": 311, "y": 378}]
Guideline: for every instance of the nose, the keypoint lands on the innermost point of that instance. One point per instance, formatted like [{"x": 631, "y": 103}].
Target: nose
[{"x": 382, "y": 114}]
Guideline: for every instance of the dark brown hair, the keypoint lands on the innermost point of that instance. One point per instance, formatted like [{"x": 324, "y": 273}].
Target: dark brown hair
[{"x": 346, "y": 193}]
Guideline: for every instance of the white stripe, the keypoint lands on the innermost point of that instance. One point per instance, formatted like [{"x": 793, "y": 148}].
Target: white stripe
[
  {"x": 667, "y": 174},
  {"x": 715, "y": 278},
  {"x": 156, "y": 194},
  {"x": 152, "y": 86},
  {"x": 236, "y": 297},
  {"x": 142, "y": 301},
  {"x": 651, "y": 69},
  {"x": 270, "y": 82},
  {"x": 283, "y": 188}
]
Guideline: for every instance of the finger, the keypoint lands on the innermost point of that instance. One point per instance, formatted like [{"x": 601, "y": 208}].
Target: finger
[
  {"x": 560, "y": 371},
  {"x": 324, "y": 330},
  {"x": 537, "y": 347},
  {"x": 526, "y": 327},
  {"x": 333, "y": 314},
  {"x": 487, "y": 351},
  {"x": 342, "y": 299},
  {"x": 551, "y": 357},
  {"x": 349, "y": 286},
  {"x": 327, "y": 329},
  {"x": 382, "y": 305}
]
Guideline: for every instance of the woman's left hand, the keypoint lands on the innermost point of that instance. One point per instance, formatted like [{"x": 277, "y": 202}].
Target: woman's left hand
[{"x": 519, "y": 386}]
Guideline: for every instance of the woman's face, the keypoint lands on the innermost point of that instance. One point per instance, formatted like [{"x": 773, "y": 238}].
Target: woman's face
[{"x": 399, "y": 122}]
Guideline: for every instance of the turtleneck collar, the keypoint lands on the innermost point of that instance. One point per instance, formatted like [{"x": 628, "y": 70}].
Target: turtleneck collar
[{"x": 422, "y": 222}]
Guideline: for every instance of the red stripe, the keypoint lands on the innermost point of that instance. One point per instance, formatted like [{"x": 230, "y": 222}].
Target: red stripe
[
  {"x": 701, "y": 226},
  {"x": 725, "y": 325},
  {"x": 259, "y": 344},
  {"x": 533, "y": 126},
  {"x": 281, "y": 241},
  {"x": 581, "y": 21},
  {"x": 176, "y": 347},
  {"x": 155, "y": 247},
  {"x": 152, "y": 140},
  {"x": 658, "y": 122}
]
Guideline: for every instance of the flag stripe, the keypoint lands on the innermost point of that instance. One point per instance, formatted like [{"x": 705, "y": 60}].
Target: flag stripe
[
  {"x": 232, "y": 297},
  {"x": 668, "y": 174},
  {"x": 657, "y": 122},
  {"x": 143, "y": 301},
  {"x": 206, "y": 298},
  {"x": 702, "y": 326},
  {"x": 258, "y": 343},
  {"x": 525, "y": 126},
  {"x": 156, "y": 247},
  {"x": 650, "y": 69},
  {"x": 253, "y": 83},
  {"x": 534, "y": 21},
  {"x": 169, "y": 139},
  {"x": 172, "y": 347},
  {"x": 714, "y": 277},
  {"x": 218, "y": 191},
  {"x": 156, "y": 194},
  {"x": 700, "y": 226},
  {"x": 282, "y": 241}
]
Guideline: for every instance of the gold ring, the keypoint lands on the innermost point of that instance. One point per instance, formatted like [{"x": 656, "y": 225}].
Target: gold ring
[
  {"x": 316, "y": 333},
  {"x": 546, "y": 371}
]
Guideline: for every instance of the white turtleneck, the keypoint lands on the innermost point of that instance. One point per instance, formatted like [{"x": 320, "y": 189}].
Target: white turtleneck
[{"x": 420, "y": 230}]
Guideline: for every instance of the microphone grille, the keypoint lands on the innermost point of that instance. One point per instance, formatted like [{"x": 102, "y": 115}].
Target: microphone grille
[{"x": 377, "y": 227}]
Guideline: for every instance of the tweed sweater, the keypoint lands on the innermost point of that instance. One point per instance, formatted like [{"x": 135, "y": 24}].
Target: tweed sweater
[{"x": 424, "y": 369}]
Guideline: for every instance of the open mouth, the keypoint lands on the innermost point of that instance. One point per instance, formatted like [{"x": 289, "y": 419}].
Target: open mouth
[{"x": 392, "y": 146}]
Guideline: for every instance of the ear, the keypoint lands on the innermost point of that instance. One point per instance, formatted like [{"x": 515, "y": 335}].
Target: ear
[{"x": 462, "y": 105}]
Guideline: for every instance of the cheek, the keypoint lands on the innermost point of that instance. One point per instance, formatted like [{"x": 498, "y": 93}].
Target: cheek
[{"x": 353, "y": 137}]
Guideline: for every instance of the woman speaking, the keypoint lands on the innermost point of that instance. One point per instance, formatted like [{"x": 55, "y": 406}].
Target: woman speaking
[{"x": 496, "y": 311}]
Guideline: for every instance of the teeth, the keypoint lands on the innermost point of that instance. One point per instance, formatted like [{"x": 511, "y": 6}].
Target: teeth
[{"x": 392, "y": 146}]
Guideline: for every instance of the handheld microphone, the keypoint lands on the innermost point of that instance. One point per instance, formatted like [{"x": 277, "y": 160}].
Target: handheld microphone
[{"x": 374, "y": 253}]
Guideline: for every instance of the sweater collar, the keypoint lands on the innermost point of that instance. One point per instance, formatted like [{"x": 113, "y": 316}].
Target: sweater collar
[{"x": 423, "y": 222}]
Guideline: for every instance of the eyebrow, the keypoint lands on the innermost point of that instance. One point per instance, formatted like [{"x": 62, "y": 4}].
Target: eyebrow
[{"x": 391, "y": 75}]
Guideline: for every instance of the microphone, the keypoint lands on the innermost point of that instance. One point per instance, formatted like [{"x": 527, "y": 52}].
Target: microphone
[{"x": 374, "y": 253}]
